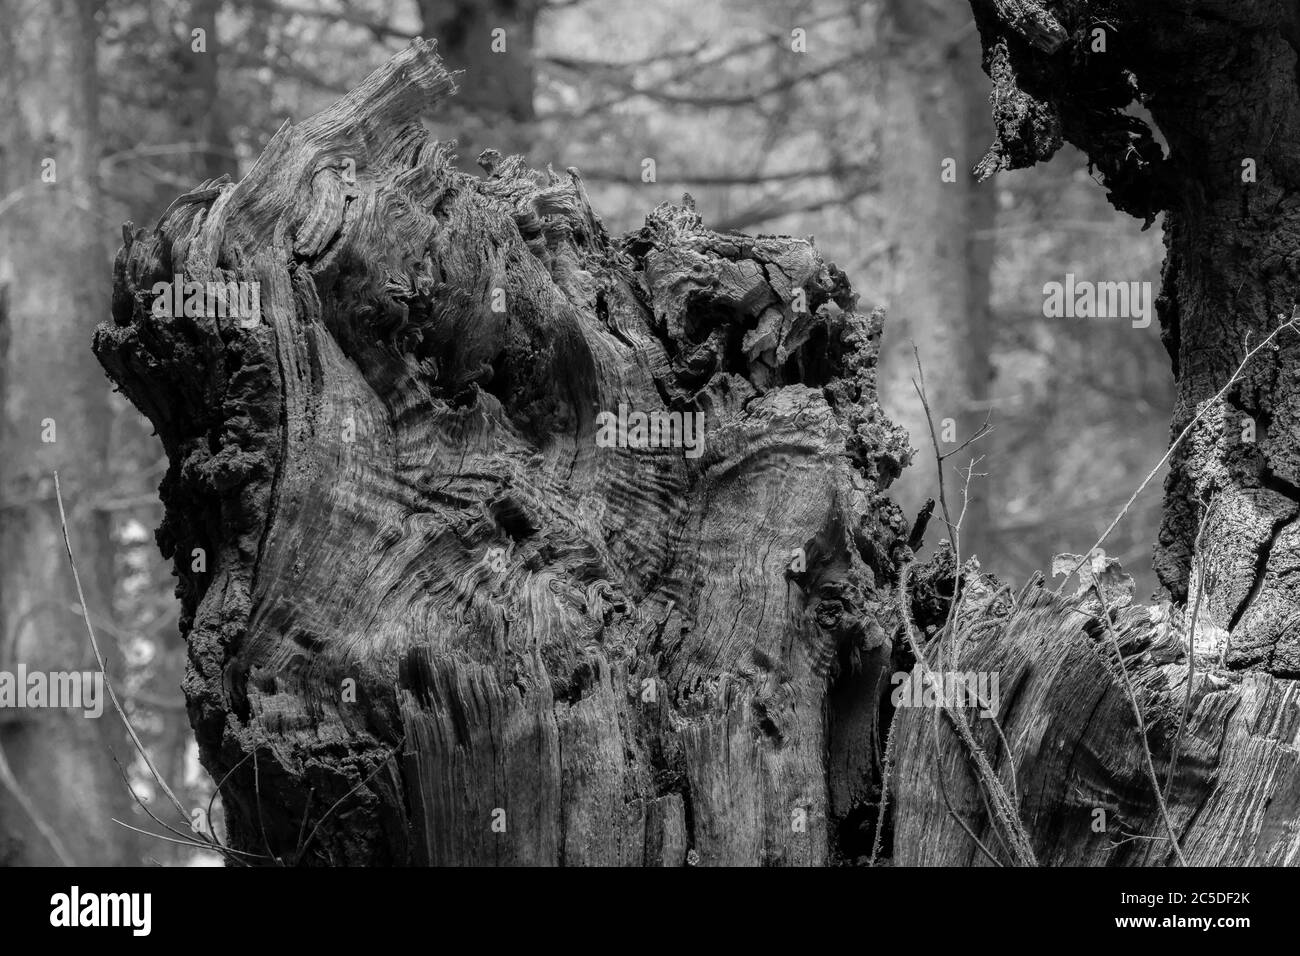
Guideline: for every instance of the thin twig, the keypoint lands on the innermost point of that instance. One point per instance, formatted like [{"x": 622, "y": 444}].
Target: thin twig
[
  {"x": 159, "y": 836},
  {"x": 883, "y": 806},
  {"x": 207, "y": 842},
  {"x": 1138, "y": 836},
  {"x": 934, "y": 439},
  {"x": 1131, "y": 694},
  {"x": 1290, "y": 323},
  {"x": 257, "y": 798},
  {"x": 99, "y": 657},
  {"x": 983, "y": 430},
  {"x": 217, "y": 792},
  {"x": 943, "y": 792},
  {"x": 994, "y": 794},
  {"x": 306, "y": 811}
]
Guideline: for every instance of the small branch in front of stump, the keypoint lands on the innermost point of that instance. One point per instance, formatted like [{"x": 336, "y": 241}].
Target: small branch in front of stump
[{"x": 201, "y": 841}]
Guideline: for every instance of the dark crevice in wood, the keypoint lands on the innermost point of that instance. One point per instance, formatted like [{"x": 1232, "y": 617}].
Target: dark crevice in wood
[{"x": 1262, "y": 555}]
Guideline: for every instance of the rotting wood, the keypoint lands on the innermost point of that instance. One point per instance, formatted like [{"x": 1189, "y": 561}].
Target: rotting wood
[
  {"x": 591, "y": 655},
  {"x": 563, "y": 653}
]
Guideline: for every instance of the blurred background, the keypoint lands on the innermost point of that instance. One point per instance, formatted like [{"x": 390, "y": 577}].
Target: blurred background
[{"x": 831, "y": 118}]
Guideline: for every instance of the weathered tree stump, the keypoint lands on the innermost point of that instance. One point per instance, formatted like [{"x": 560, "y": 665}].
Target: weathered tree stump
[
  {"x": 430, "y": 618},
  {"x": 435, "y": 616}
]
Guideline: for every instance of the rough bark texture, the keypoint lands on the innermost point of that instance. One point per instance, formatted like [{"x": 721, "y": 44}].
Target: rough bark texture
[
  {"x": 1080, "y": 779},
  {"x": 1219, "y": 78},
  {"x": 1220, "y": 81},
  {"x": 397, "y": 486}
]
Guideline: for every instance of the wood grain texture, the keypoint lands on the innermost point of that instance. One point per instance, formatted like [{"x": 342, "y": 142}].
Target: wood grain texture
[
  {"x": 439, "y": 623},
  {"x": 1084, "y": 793},
  {"x": 397, "y": 485}
]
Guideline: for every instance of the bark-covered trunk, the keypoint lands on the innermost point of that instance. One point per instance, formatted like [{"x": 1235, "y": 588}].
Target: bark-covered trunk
[
  {"x": 448, "y": 623},
  {"x": 491, "y": 41},
  {"x": 1219, "y": 78},
  {"x": 208, "y": 119}
]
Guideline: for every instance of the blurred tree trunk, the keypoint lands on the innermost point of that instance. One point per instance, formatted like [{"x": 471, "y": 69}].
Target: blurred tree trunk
[
  {"x": 939, "y": 224},
  {"x": 50, "y": 246},
  {"x": 494, "y": 105},
  {"x": 437, "y": 620},
  {"x": 209, "y": 120}
]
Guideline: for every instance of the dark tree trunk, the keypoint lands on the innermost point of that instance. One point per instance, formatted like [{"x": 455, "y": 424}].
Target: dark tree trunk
[
  {"x": 561, "y": 652},
  {"x": 1219, "y": 79},
  {"x": 491, "y": 43},
  {"x": 209, "y": 118},
  {"x": 938, "y": 227}
]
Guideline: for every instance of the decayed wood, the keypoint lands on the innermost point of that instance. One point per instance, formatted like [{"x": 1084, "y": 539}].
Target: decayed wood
[
  {"x": 561, "y": 653},
  {"x": 1084, "y": 793},
  {"x": 1035, "y": 24},
  {"x": 432, "y": 620}
]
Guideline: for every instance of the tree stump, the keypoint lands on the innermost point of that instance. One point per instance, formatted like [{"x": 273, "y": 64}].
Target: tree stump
[{"x": 431, "y": 618}]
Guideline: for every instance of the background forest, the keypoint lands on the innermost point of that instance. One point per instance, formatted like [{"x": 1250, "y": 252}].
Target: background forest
[{"x": 832, "y": 118}]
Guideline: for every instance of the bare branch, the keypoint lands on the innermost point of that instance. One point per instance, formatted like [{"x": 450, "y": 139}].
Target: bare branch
[
  {"x": 99, "y": 657},
  {"x": 1289, "y": 324}
]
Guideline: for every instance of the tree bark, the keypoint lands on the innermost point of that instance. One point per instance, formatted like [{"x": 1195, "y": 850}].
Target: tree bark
[
  {"x": 561, "y": 652},
  {"x": 1219, "y": 80},
  {"x": 208, "y": 121}
]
